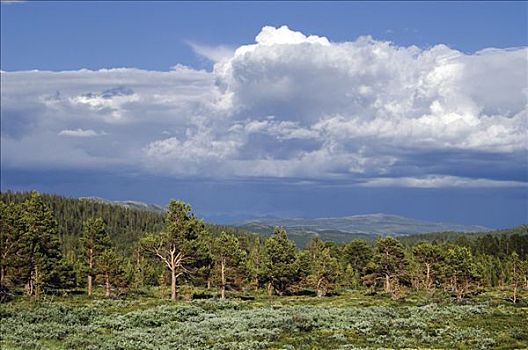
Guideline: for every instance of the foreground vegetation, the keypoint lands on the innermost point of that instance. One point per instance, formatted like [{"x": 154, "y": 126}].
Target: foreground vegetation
[{"x": 350, "y": 320}]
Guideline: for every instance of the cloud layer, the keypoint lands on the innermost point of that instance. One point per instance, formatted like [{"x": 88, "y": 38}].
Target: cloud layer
[{"x": 288, "y": 106}]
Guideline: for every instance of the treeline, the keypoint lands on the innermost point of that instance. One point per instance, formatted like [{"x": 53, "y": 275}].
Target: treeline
[
  {"x": 497, "y": 243},
  {"x": 182, "y": 250}
]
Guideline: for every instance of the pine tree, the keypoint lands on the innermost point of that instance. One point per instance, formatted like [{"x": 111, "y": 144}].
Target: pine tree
[
  {"x": 280, "y": 261},
  {"x": 110, "y": 266},
  {"x": 178, "y": 243},
  {"x": 389, "y": 264},
  {"x": 206, "y": 270},
  {"x": 228, "y": 257},
  {"x": 355, "y": 256},
  {"x": 460, "y": 271},
  {"x": 255, "y": 264},
  {"x": 94, "y": 241},
  {"x": 429, "y": 256},
  {"x": 324, "y": 268},
  {"x": 517, "y": 274}
]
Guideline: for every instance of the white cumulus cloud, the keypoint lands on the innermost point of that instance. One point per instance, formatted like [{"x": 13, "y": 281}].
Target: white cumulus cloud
[{"x": 288, "y": 105}]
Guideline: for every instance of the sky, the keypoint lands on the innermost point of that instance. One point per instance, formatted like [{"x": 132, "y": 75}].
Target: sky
[{"x": 289, "y": 109}]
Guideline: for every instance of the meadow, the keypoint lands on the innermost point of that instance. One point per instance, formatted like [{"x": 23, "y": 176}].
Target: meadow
[{"x": 349, "y": 320}]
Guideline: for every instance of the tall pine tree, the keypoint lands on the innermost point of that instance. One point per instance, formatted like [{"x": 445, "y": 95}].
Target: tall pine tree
[
  {"x": 94, "y": 241},
  {"x": 178, "y": 245}
]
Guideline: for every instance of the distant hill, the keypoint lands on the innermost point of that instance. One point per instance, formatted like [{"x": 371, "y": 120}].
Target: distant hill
[
  {"x": 344, "y": 229},
  {"x": 128, "y": 204}
]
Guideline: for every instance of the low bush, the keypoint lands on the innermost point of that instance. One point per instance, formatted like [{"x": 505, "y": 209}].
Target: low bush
[{"x": 259, "y": 324}]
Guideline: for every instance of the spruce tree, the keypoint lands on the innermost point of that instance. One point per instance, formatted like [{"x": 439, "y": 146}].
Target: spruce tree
[
  {"x": 39, "y": 254},
  {"x": 10, "y": 241}
]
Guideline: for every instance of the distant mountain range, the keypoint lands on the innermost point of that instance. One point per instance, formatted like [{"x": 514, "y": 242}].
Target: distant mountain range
[
  {"x": 336, "y": 229},
  {"x": 128, "y": 204},
  {"x": 343, "y": 229}
]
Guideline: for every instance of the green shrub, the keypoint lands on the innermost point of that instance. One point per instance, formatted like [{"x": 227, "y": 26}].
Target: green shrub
[{"x": 235, "y": 324}]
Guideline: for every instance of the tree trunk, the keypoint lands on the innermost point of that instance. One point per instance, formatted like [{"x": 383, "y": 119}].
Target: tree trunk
[
  {"x": 387, "y": 284},
  {"x": 107, "y": 285},
  {"x": 90, "y": 277},
  {"x": 138, "y": 277},
  {"x": 2, "y": 275},
  {"x": 459, "y": 290},
  {"x": 514, "y": 277},
  {"x": 395, "y": 290},
  {"x": 90, "y": 285},
  {"x": 138, "y": 259},
  {"x": 29, "y": 287},
  {"x": 222, "y": 291},
  {"x": 208, "y": 282},
  {"x": 320, "y": 288},
  {"x": 173, "y": 284},
  {"x": 428, "y": 281},
  {"x": 36, "y": 283},
  {"x": 30, "y": 284},
  {"x": 256, "y": 283}
]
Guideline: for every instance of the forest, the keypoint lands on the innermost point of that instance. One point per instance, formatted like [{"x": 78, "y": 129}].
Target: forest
[{"x": 60, "y": 253}]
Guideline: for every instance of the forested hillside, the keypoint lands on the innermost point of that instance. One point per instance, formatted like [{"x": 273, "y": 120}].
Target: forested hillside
[{"x": 124, "y": 223}]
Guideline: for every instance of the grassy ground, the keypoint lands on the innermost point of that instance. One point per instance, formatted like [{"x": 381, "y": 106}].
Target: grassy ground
[{"x": 350, "y": 320}]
